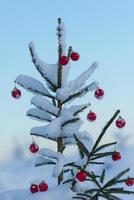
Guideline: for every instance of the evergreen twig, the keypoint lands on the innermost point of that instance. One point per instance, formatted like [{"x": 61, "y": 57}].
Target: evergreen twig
[{"x": 53, "y": 86}]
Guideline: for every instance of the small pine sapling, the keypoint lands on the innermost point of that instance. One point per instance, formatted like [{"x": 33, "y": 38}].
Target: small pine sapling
[{"x": 51, "y": 105}]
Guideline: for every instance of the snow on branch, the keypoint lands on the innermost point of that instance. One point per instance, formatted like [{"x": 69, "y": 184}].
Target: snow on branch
[
  {"x": 75, "y": 109},
  {"x": 84, "y": 136},
  {"x": 65, "y": 73},
  {"x": 70, "y": 129},
  {"x": 70, "y": 121},
  {"x": 80, "y": 81},
  {"x": 54, "y": 155},
  {"x": 51, "y": 131},
  {"x": 38, "y": 114},
  {"x": 63, "y": 126},
  {"x": 32, "y": 85},
  {"x": 45, "y": 105},
  {"x": 81, "y": 92},
  {"x": 41, "y": 160},
  {"x": 67, "y": 117},
  {"x": 61, "y": 32},
  {"x": 47, "y": 71},
  {"x": 75, "y": 85}
]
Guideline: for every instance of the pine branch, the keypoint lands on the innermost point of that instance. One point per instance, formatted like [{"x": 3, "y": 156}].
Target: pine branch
[
  {"x": 66, "y": 170},
  {"x": 82, "y": 147},
  {"x": 54, "y": 102},
  {"x": 90, "y": 191},
  {"x": 47, "y": 111},
  {"x": 69, "y": 52},
  {"x": 92, "y": 155},
  {"x": 101, "y": 155},
  {"x": 97, "y": 163},
  {"x": 81, "y": 198},
  {"x": 59, "y": 55},
  {"x": 44, "y": 105},
  {"x": 54, "y": 87},
  {"x": 81, "y": 110},
  {"x": 105, "y": 145},
  {"x": 93, "y": 176},
  {"x": 84, "y": 195},
  {"x": 102, "y": 176},
  {"x": 60, "y": 147},
  {"x": 42, "y": 164},
  {"x": 116, "y": 178},
  {"x": 68, "y": 181},
  {"x": 124, "y": 180},
  {"x": 38, "y": 118},
  {"x": 72, "y": 164},
  {"x": 70, "y": 121},
  {"x": 81, "y": 92},
  {"x": 69, "y": 164},
  {"x": 106, "y": 191},
  {"x": 43, "y": 136},
  {"x": 34, "y": 91},
  {"x": 105, "y": 129},
  {"x": 119, "y": 190}
]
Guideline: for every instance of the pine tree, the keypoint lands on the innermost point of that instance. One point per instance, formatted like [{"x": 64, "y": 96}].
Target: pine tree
[{"x": 52, "y": 106}]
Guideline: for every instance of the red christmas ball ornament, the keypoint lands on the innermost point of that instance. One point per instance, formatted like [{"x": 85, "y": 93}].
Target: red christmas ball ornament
[
  {"x": 16, "y": 93},
  {"x": 99, "y": 93},
  {"x": 75, "y": 56},
  {"x": 34, "y": 148},
  {"x": 34, "y": 188},
  {"x": 63, "y": 60},
  {"x": 129, "y": 182},
  {"x": 43, "y": 186},
  {"x": 91, "y": 116},
  {"x": 116, "y": 156},
  {"x": 120, "y": 122},
  {"x": 81, "y": 176}
]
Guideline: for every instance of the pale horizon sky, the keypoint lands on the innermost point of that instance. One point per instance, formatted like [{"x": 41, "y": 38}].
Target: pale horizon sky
[{"x": 99, "y": 30}]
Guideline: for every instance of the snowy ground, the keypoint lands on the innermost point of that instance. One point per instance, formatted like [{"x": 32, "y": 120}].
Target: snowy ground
[
  {"x": 52, "y": 194},
  {"x": 19, "y": 172}
]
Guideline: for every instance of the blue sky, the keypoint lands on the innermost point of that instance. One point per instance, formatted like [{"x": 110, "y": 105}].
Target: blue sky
[{"x": 99, "y": 30}]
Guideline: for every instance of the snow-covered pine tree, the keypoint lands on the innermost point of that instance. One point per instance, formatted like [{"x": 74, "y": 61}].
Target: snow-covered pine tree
[{"x": 51, "y": 103}]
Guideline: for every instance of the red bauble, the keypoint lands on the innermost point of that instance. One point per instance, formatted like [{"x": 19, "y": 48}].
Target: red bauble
[
  {"x": 34, "y": 188},
  {"x": 81, "y": 176},
  {"x": 99, "y": 93},
  {"x": 16, "y": 93},
  {"x": 75, "y": 56},
  {"x": 116, "y": 156},
  {"x": 63, "y": 60},
  {"x": 34, "y": 148},
  {"x": 43, "y": 186},
  {"x": 91, "y": 116},
  {"x": 120, "y": 122},
  {"x": 129, "y": 182}
]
